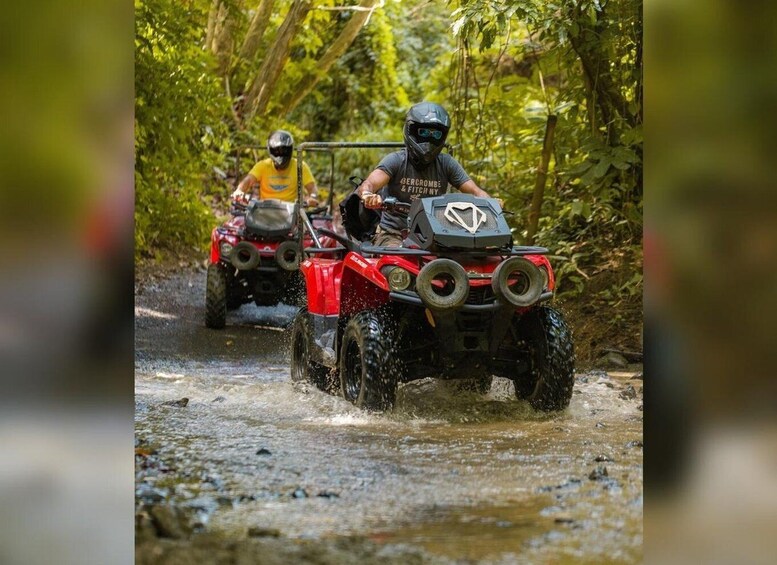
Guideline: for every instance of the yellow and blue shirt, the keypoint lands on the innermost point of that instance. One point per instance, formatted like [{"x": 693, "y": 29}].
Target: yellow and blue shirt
[{"x": 280, "y": 184}]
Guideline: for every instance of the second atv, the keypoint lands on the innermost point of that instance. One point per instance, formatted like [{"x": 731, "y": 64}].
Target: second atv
[{"x": 255, "y": 256}]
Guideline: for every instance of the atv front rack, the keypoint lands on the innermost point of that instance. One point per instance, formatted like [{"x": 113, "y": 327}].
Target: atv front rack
[
  {"x": 407, "y": 297},
  {"x": 515, "y": 251},
  {"x": 375, "y": 250}
]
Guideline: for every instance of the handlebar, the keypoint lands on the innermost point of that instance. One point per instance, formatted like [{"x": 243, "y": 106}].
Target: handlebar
[
  {"x": 391, "y": 204},
  {"x": 238, "y": 208}
]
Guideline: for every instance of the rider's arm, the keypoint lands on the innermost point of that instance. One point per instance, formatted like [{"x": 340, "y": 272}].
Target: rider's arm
[
  {"x": 312, "y": 194},
  {"x": 367, "y": 190},
  {"x": 246, "y": 185},
  {"x": 471, "y": 188}
]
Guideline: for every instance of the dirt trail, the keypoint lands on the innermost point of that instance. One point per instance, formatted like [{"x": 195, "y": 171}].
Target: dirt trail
[{"x": 251, "y": 465}]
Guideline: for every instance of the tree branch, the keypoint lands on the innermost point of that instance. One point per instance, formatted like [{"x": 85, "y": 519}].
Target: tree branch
[
  {"x": 256, "y": 30},
  {"x": 306, "y": 84},
  {"x": 260, "y": 90}
]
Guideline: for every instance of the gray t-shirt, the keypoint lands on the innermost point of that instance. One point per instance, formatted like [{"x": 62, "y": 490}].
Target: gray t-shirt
[{"x": 407, "y": 183}]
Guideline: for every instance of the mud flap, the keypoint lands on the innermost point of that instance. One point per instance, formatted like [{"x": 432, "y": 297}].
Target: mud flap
[{"x": 324, "y": 337}]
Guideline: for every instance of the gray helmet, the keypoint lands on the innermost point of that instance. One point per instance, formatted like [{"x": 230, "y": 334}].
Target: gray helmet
[
  {"x": 426, "y": 128},
  {"x": 280, "y": 146}
]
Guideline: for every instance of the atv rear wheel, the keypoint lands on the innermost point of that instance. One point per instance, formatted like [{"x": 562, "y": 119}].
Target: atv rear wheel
[
  {"x": 303, "y": 369},
  {"x": 547, "y": 385},
  {"x": 367, "y": 377},
  {"x": 216, "y": 296}
]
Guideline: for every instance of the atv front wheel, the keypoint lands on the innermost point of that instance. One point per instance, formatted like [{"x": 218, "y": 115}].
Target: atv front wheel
[
  {"x": 547, "y": 385},
  {"x": 303, "y": 369},
  {"x": 216, "y": 297},
  {"x": 366, "y": 375}
]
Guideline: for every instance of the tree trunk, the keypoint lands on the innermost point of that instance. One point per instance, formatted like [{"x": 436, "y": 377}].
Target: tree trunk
[
  {"x": 256, "y": 30},
  {"x": 339, "y": 46},
  {"x": 596, "y": 65},
  {"x": 260, "y": 89},
  {"x": 539, "y": 183},
  {"x": 223, "y": 36},
  {"x": 211, "y": 29}
]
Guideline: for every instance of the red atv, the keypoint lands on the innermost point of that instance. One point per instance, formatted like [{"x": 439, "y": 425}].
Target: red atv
[
  {"x": 255, "y": 256},
  {"x": 457, "y": 301}
]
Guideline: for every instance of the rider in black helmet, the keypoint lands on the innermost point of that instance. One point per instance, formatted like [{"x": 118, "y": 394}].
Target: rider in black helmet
[
  {"x": 426, "y": 128},
  {"x": 417, "y": 171},
  {"x": 280, "y": 146},
  {"x": 277, "y": 176}
]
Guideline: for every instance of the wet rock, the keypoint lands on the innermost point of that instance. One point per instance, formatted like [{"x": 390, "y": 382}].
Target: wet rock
[
  {"x": 144, "y": 527},
  {"x": 202, "y": 504},
  {"x": 219, "y": 399},
  {"x": 260, "y": 532},
  {"x": 637, "y": 377},
  {"x": 170, "y": 521},
  {"x": 640, "y": 407},
  {"x": 582, "y": 378},
  {"x": 634, "y": 443},
  {"x": 602, "y": 459},
  {"x": 613, "y": 359},
  {"x": 609, "y": 385},
  {"x": 600, "y": 425},
  {"x": 598, "y": 474},
  {"x": 563, "y": 519},
  {"x": 178, "y": 403},
  {"x": 148, "y": 493},
  {"x": 629, "y": 393},
  {"x": 328, "y": 494},
  {"x": 299, "y": 493},
  {"x": 264, "y": 451}
]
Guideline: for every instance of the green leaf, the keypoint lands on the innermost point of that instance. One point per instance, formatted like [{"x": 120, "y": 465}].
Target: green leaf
[{"x": 601, "y": 168}]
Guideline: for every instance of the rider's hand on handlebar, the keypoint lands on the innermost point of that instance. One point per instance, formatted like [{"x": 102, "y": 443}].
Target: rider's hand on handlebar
[
  {"x": 372, "y": 201},
  {"x": 311, "y": 202},
  {"x": 240, "y": 196}
]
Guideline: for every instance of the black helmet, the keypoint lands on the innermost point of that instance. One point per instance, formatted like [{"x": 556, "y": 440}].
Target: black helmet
[
  {"x": 280, "y": 146},
  {"x": 426, "y": 127}
]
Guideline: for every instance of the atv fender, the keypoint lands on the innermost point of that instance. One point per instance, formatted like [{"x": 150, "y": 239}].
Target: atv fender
[
  {"x": 363, "y": 285},
  {"x": 322, "y": 284}
]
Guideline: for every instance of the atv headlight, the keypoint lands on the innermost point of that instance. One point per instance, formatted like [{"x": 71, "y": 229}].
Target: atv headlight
[
  {"x": 226, "y": 249},
  {"x": 398, "y": 278}
]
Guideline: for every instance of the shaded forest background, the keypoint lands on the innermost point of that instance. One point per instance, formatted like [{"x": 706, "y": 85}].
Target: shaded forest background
[{"x": 214, "y": 77}]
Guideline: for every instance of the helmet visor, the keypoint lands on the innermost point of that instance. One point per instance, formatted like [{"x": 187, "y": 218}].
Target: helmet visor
[
  {"x": 281, "y": 151},
  {"x": 427, "y": 134}
]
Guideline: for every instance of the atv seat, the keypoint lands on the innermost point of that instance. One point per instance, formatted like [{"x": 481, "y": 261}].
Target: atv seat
[{"x": 349, "y": 244}]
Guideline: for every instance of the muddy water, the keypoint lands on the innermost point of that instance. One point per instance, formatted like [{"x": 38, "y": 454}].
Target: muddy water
[{"x": 457, "y": 475}]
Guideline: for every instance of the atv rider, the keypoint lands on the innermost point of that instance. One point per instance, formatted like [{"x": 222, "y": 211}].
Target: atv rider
[
  {"x": 419, "y": 170},
  {"x": 277, "y": 175}
]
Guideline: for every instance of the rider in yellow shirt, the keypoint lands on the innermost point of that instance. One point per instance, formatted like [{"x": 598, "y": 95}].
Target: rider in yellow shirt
[{"x": 277, "y": 175}]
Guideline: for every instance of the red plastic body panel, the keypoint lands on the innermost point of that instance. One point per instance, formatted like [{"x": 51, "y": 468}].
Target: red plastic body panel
[
  {"x": 355, "y": 283},
  {"x": 230, "y": 230},
  {"x": 322, "y": 280}
]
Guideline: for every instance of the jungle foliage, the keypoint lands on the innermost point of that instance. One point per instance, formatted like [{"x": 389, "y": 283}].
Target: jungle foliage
[{"x": 214, "y": 77}]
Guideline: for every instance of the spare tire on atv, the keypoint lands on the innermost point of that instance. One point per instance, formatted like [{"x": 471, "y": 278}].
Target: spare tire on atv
[
  {"x": 368, "y": 377},
  {"x": 547, "y": 385}
]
